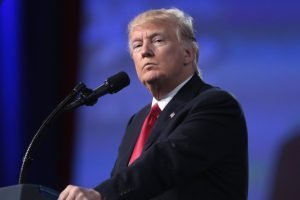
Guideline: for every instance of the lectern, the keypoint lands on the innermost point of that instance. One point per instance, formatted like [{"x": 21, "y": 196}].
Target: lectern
[{"x": 28, "y": 192}]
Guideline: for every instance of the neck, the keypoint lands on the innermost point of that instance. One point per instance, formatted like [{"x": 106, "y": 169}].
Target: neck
[
  {"x": 157, "y": 91},
  {"x": 160, "y": 89}
]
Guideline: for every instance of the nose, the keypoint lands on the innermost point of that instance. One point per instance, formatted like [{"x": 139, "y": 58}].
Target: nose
[{"x": 147, "y": 51}]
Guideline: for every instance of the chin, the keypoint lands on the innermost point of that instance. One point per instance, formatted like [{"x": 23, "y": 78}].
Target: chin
[{"x": 151, "y": 78}]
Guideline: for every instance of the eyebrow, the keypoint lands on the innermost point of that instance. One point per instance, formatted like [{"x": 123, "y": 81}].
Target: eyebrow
[{"x": 152, "y": 35}]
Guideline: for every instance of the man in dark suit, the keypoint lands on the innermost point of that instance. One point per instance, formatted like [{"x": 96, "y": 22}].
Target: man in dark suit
[{"x": 194, "y": 145}]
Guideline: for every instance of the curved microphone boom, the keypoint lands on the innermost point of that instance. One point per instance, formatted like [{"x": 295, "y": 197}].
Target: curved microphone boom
[
  {"x": 111, "y": 85},
  {"x": 87, "y": 97}
]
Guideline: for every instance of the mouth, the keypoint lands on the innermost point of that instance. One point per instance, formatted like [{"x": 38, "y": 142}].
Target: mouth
[{"x": 149, "y": 66}]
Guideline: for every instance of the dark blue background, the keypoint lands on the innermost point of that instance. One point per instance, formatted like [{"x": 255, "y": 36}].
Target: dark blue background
[{"x": 250, "y": 48}]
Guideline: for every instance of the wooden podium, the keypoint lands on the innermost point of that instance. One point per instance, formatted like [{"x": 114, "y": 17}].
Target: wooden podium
[{"x": 28, "y": 192}]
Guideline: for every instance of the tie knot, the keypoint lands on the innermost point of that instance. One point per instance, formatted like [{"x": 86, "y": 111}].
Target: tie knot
[{"x": 155, "y": 110}]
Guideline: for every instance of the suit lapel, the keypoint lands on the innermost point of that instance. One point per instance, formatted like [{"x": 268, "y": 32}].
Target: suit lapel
[{"x": 191, "y": 89}]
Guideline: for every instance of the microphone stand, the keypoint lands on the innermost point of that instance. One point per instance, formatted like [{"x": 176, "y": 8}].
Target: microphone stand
[{"x": 56, "y": 112}]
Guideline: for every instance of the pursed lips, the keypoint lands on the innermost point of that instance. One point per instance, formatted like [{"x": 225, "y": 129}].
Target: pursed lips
[{"x": 148, "y": 65}]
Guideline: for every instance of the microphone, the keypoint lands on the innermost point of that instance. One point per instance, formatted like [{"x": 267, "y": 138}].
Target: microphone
[{"x": 111, "y": 85}]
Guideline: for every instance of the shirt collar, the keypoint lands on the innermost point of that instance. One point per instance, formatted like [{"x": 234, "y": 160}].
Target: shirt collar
[{"x": 164, "y": 101}]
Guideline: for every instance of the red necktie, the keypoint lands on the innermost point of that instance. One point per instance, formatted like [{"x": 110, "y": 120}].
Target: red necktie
[{"x": 144, "y": 134}]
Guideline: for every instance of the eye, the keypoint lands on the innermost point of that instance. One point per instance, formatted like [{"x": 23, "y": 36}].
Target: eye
[
  {"x": 158, "y": 40},
  {"x": 136, "y": 45}
]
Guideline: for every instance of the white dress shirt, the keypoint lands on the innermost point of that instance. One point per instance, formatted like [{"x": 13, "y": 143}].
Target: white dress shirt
[{"x": 164, "y": 101}]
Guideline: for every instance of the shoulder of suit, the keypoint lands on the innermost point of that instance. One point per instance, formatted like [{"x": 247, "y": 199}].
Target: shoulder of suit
[{"x": 215, "y": 94}]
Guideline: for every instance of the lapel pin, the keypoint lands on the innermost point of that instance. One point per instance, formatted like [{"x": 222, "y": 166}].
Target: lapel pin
[{"x": 172, "y": 115}]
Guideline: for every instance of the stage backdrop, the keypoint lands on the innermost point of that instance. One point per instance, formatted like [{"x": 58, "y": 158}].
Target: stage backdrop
[{"x": 38, "y": 67}]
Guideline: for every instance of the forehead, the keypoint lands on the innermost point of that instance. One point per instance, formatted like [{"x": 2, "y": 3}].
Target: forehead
[{"x": 152, "y": 29}]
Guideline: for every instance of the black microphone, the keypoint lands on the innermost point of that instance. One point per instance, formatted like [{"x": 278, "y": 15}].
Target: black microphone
[{"x": 111, "y": 85}]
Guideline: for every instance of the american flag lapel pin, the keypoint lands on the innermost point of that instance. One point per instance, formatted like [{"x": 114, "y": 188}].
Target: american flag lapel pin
[{"x": 172, "y": 115}]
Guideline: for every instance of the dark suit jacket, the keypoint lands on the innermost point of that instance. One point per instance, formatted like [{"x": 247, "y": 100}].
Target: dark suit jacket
[{"x": 196, "y": 150}]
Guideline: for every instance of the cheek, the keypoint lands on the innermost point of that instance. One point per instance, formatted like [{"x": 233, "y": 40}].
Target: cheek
[
  {"x": 136, "y": 63},
  {"x": 168, "y": 54},
  {"x": 138, "y": 68},
  {"x": 169, "y": 58}
]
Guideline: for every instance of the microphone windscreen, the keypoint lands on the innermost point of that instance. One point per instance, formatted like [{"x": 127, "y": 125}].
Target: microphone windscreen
[{"x": 117, "y": 82}]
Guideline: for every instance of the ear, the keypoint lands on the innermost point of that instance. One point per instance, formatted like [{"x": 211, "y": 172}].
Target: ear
[{"x": 189, "y": 54}]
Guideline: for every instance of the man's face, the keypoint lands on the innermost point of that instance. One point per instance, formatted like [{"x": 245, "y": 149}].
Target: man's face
[{"x": 158, "y": 56}]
